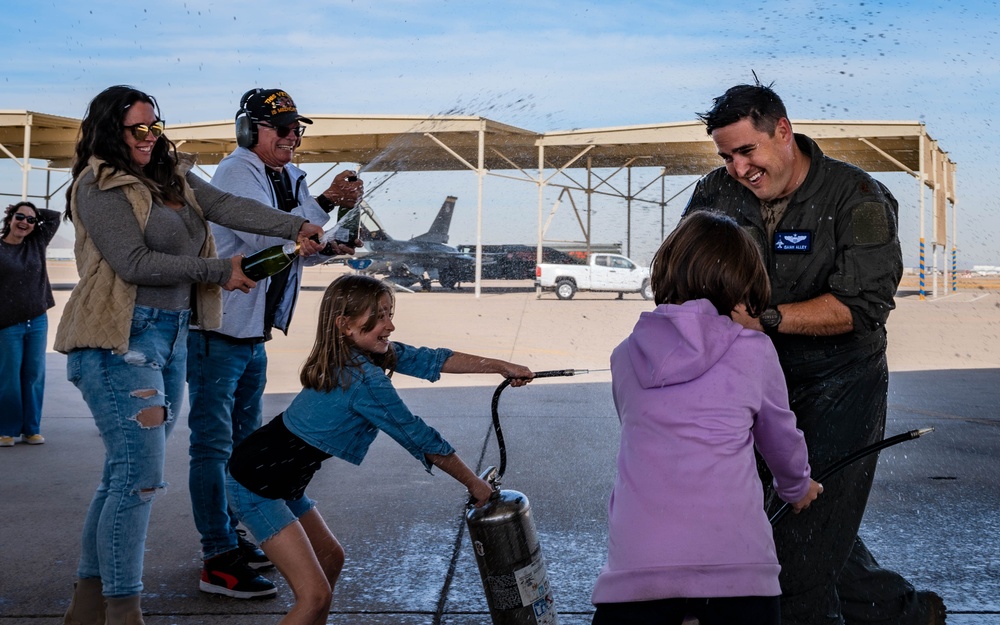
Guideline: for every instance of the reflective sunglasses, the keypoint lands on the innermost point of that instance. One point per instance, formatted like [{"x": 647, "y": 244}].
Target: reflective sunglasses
[
  {"x": 284, "y": 131},
  {"x": 141, "y": 131},
  {"x": 28, "y": 218}
]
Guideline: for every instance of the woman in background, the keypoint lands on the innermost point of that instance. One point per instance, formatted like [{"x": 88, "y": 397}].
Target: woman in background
[{"x": 24, "y": 323}]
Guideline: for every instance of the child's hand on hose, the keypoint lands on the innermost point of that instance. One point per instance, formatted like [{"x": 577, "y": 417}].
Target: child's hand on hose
[
  {"x": 815, "y": 488},
  {"x": 518, "y": 375}
]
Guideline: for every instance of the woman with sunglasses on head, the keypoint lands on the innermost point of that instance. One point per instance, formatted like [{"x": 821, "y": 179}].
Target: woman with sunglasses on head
[
  {"x": 24, "y": 324},
  {"x": 147, "y": 265}
]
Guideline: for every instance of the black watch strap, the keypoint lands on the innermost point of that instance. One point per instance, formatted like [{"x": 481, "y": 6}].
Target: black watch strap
[
  {"x": 325, "y": 203},
  {"x": 770, "y": 319}
]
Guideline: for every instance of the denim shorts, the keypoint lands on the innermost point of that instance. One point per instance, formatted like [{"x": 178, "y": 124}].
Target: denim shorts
[{"x": 262, "y": 516}]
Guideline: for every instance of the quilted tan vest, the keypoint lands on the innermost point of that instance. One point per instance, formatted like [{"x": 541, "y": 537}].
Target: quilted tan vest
[{"x": 99, "y": 311}]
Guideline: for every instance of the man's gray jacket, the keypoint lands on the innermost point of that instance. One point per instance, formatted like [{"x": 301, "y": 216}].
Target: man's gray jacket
[{"x": 243, "y": 173}]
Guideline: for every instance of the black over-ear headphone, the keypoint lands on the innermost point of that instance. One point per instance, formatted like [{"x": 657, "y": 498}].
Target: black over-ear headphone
[{"x": 246, "y": 124}]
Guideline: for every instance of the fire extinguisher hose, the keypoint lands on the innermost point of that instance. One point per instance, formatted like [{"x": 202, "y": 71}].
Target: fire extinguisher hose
[
  {"x": 852, "y": 457},
  {"x": 496, "y": 415}
]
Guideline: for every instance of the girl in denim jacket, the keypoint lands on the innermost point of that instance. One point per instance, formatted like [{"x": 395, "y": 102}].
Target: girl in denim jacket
[{"x": 346, "y": 400}]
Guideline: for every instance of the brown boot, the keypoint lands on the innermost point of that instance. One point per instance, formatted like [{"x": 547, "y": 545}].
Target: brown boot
[
  {"x": 87, "y": 605},
  {"x": 124, "y": 611}
]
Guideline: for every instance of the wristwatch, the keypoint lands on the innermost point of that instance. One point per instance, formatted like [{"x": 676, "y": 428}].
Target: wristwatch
[{"x": 770, "y": 319}]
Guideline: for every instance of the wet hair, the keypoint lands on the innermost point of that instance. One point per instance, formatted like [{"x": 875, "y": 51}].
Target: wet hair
[
  {"x": 708, "y": 256},
  {"x": 9, "y": 217},
  {"x": 757, "y": 102},
  {"x": 102, "y": 135},
  {"x": 332, "y": 359}
]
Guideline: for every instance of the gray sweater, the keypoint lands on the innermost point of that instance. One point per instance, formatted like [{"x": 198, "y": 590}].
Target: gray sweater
[
  {"x": 99, "y": 311},
  {"x": 24, "y": 280}
]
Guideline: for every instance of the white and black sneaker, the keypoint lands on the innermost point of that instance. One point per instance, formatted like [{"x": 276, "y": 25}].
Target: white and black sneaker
[
  {"x": 252, "y": 554},
  {"x": 227, "y": 574}
]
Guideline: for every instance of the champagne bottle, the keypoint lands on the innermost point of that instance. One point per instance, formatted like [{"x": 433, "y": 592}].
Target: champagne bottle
[
  {"x": 269, "y": 261},
  {"x": 346, "y": 231}
]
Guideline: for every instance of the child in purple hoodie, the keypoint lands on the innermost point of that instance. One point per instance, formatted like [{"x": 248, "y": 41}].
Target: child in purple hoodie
[{"x": 695, "y": 393}]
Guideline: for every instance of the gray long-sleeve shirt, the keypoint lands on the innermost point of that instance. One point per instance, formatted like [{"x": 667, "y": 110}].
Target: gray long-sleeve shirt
[{"x": 162, "y": 257}]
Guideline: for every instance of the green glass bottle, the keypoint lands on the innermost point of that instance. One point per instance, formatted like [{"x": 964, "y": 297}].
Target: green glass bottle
[
  {"x": 346, "y": 231},
  {"x": 269, "y": 261}
]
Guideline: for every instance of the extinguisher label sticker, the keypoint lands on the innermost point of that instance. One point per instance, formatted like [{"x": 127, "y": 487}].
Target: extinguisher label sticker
[
  {"x": 545, "y": 613},
  {"x": 531, "y": 582}
]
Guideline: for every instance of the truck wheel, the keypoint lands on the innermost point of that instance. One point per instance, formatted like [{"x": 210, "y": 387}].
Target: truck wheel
[
  {"x": 565, "y": 289},
  {"x": 647, "y": 290}
]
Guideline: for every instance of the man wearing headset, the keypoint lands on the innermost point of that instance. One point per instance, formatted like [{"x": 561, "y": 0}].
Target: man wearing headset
[{"x": 227, "y": 367}]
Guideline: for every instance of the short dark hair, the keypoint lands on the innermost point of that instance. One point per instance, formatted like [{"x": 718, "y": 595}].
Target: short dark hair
[
  {"x": 708, "y": 256},
  {"x": 758, "y": 102}
]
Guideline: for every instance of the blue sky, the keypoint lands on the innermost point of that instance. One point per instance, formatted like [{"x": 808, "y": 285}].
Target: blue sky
[{"x": 542, "y": 65}]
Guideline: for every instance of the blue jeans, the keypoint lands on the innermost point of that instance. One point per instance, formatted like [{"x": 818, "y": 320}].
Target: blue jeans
[
  {"x": 226, "y": 388},
  {"x": 117, "y": 388},
  {"x": 22, "y": 376}
]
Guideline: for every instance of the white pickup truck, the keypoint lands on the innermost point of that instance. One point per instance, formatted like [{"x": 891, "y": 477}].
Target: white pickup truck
[{"x": 603, "y": 272}]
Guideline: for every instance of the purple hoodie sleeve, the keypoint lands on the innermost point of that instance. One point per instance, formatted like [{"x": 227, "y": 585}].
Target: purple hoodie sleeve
[{"x": 781, "y": 444}]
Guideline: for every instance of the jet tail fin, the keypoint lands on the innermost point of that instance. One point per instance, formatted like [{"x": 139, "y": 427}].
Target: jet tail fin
[{"x": 442, "y": 223}]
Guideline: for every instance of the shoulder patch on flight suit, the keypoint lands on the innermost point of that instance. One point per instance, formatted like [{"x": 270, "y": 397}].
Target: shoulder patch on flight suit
[{"x": 870, "y": 224}]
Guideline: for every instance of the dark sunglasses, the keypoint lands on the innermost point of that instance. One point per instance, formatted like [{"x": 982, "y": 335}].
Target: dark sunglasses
[
  {"x": 284, "y": 131},
  {"x": 22, "y": 217},
  {"x": 141, "y": 131}
]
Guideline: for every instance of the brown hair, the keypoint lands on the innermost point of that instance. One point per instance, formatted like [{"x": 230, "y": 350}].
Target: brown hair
[
  {"x": 102, "y": 135},
  {"x": 331, "y": 360},
  {"x": 708, "y": 256}
]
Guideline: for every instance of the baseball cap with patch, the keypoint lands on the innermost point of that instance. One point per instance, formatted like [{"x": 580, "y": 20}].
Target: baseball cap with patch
[{"x": 273, "y": 106}]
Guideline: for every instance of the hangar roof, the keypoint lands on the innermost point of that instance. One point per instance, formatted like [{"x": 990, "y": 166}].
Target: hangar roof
[{"x": 452, "y": 142}]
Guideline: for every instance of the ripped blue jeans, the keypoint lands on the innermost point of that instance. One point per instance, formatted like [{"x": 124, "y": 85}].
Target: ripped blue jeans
[{"x": 118, "y": 390}]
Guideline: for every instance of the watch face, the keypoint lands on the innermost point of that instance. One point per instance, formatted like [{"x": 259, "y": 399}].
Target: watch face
[{"x": 770, "y": 318}]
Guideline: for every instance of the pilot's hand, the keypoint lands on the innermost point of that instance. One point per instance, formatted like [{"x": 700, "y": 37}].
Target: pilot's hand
[
  {"x": 741, "y": 317},
  {"x": 346, "y": 189}
]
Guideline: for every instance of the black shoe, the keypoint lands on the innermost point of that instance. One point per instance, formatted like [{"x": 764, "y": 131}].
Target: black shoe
[
  {"x": 229, "y": 575},
  {"x": 252, "y": 554},
  {"x": 933, "y": 606}
]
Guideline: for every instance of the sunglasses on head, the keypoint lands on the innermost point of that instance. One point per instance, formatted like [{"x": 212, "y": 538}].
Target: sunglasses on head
[
  {"x": 28, "y": 218},
  {"x": 284, "y": 131},
  {"x": 141, "y": 131}
]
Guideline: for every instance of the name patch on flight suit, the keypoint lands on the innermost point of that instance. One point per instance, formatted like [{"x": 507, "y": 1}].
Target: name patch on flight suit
[{"x": 793, "y": 241}]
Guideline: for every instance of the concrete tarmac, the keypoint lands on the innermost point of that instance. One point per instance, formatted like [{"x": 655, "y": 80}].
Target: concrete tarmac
[{"x": 932, "y": 515}]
